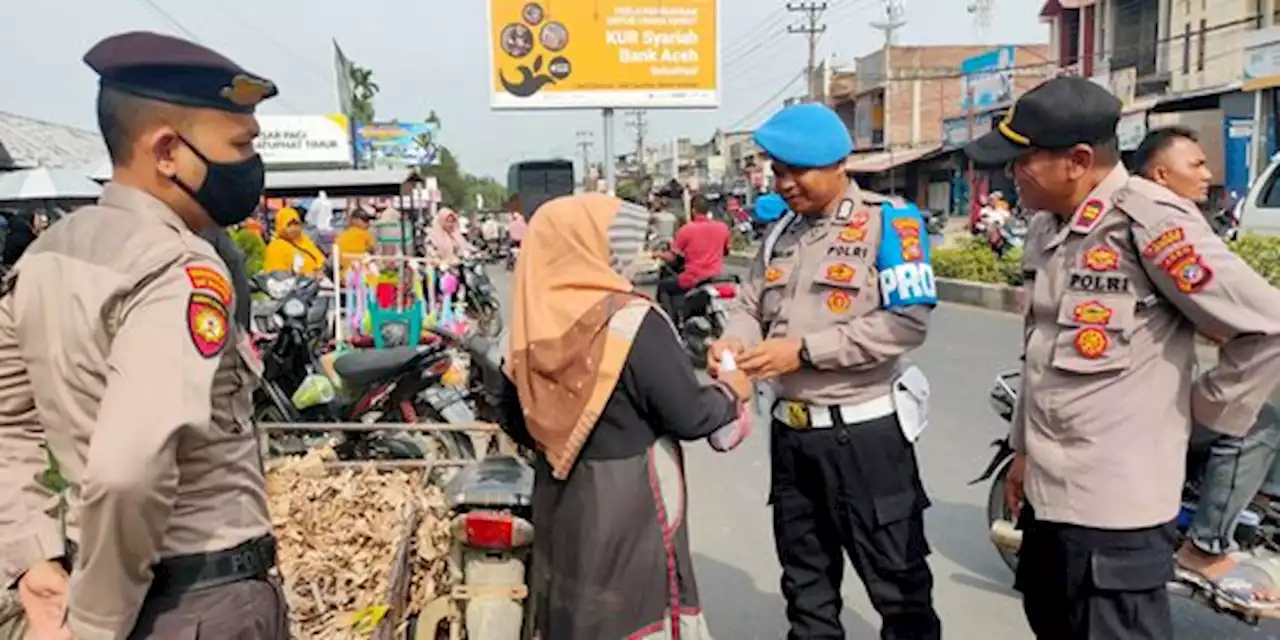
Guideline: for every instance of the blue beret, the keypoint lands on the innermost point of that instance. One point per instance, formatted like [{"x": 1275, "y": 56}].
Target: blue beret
[
  {"x": 770, "y": 207},
  {"x": 172, "y": 70},
  {"x": 805, "y": 135}
]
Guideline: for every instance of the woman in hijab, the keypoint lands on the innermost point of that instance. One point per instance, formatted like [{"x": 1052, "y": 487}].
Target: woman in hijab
[
  {"x": 446, "y": 238},
  {"x": 290, "y": 249},
  {"x": 600, "y": 386}
]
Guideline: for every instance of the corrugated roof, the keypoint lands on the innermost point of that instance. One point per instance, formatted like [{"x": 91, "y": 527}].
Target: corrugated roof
[{"x": 26, "y": 143}]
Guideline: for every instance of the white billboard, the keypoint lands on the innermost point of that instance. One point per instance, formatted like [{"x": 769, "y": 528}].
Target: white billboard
[{"x": 317, "y": 141}]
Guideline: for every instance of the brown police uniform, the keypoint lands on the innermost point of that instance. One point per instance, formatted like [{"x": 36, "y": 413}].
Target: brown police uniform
[
  {"x": 119, "y": 356},
  {"x": 843, "y": 474},
  {"x": 1117, "y": 293}
]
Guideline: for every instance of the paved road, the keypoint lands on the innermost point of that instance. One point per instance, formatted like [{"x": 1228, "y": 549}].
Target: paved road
[{"x": 733, "y": 546}]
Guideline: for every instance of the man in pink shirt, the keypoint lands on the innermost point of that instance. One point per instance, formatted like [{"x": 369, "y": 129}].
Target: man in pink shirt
[{"x": 703, "y": 242}]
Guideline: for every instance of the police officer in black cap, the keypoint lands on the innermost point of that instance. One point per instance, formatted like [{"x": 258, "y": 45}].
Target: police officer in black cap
[
  {"x": 1122, "y": 273},
  {"x": 120, "y": 318}
]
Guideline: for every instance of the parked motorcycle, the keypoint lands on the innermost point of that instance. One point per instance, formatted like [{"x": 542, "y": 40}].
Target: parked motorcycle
[
  {"x": 1257, "y": 527},
  {"x": 482, "y": 299},
  {"x": 403, "y": 384},
  {"x": 513, "y": 252},
  {"x": 706, "y": 310}
]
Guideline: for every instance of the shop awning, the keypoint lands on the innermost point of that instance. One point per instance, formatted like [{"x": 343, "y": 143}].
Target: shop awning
[
  {"x": 360, "y": 182},
  {"x": 1053, "y": 7},
  {"x": 880, "y": 161}
]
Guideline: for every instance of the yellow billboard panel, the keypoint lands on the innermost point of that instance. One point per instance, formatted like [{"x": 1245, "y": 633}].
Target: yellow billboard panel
[{"x": 604, "y": 53}]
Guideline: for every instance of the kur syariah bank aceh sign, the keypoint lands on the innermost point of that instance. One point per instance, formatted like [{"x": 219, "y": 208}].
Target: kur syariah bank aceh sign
[{"x": 315, "y": 141}]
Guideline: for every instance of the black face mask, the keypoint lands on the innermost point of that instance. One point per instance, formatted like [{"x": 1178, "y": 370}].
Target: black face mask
[{"x": 231, "y": 190}]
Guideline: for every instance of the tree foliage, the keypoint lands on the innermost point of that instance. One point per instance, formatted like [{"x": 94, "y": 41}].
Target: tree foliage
[{"x": 364, "y": 89}]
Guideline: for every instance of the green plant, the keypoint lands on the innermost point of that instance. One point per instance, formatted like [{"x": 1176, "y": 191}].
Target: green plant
[
  {"x": 1262, "y": 253},
  {"x": 971, "y": 260}
]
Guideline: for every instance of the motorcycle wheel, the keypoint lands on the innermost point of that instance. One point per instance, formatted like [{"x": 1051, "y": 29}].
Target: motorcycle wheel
[
  {"x": 488, "y": 319},
  {"x": 443, "y": 445},
  {"x": 997, "y": 510}
]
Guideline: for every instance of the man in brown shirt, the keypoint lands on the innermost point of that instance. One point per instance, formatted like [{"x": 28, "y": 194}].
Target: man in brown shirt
[
  {"x": 842, "y": 290},
  {"x": 1125, "y": 272},
  {"x": 119, "y": 356}
]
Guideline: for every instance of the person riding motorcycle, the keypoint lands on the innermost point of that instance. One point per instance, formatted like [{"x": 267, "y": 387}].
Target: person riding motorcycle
[
  {"x": 1235, "y": 469},
  {"x": 702, "y": 243}
]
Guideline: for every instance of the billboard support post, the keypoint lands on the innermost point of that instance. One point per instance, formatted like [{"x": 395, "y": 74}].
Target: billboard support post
[{"x": 610, "y": 170}]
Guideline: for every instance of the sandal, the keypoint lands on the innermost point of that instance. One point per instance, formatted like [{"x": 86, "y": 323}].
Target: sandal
[{"x": 1234, "y": 592}]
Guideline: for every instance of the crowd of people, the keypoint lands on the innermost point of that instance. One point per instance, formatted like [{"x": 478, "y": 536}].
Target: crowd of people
[{"x": 123, "y": 356}]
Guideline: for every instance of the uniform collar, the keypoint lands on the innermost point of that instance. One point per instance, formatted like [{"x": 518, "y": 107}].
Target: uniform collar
[
  {"x": 1094, "y": 207},
  {"x": 130, "y": 198}
]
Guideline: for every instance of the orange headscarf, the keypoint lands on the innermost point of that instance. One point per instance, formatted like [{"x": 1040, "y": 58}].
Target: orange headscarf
[{"x": 569, "y": 283}]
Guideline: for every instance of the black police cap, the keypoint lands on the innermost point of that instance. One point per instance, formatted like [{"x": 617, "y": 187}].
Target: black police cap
[
  {"x": 172, "y": 70},
  {"x": 1057, "y": 114}
]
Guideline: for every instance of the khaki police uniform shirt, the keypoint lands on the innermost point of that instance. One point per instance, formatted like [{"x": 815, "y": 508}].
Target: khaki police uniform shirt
[
  {"x": 821, "y": 284},
  {"x": 1117, "y": 294},
  {"x": 116, "y": 349}
]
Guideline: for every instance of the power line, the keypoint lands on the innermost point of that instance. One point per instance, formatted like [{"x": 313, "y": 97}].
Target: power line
[
  {"x": 171, "y": 20},
  {"x": 768, "y": 102},
  {"x": 811, "y": 28}
]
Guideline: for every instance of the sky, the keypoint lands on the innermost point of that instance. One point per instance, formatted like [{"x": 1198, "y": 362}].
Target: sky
[{"x": 433, "y": 54}]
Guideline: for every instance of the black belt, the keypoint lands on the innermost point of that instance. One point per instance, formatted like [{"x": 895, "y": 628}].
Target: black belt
[{"x": 177, "y": 575}]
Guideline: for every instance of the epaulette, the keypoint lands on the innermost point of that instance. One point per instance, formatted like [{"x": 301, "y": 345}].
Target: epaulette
[{"x": 1151, "y": 205}]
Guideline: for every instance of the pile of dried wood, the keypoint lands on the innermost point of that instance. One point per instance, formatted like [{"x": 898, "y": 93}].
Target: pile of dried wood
[{"x": 339, "y": 536}]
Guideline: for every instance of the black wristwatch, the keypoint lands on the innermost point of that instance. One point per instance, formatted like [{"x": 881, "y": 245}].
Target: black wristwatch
[{"x": 805, "y": 360}]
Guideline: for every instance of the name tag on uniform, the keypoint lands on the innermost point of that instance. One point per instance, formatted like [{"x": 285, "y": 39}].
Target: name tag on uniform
[
  {"x": 1098, "y": 282},
  {"x": 859, "y": 251}
]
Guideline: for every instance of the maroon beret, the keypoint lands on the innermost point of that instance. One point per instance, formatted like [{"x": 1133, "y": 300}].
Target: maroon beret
[{"x": 173, "y": 70}]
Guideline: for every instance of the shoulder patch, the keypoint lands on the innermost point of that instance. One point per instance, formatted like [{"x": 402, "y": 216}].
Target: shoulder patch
[
  {"x": 209, "y": 280},
  {"x": 1164, "y": 241},
  {"x": 206, "y": 323}
]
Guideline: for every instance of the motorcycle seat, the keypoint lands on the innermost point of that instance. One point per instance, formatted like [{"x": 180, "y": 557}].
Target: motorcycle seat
[
  {"x": 367, "y": 366},
  {"x": 723, "y": 278},
  {"x": 494, "y": 481}
]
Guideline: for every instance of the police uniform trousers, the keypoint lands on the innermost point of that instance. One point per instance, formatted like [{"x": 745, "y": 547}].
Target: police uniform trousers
[
  {"x": 851, "y": 488},
  {"x": 252, "y": 609},
  {"x": 1081, "y": 583}
]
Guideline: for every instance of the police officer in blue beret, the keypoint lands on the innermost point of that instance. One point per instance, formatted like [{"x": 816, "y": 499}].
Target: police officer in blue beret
[
  {"x": 145, "y": 381},
  {"x": 841, "y": 291}
]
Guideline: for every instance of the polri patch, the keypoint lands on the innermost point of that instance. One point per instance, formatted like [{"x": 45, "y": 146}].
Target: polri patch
[
  {"x": 208, "y": 279},
  {"x": 1191, "y": 275},
  {"x": 1162, "y": 242},
  {"x": 847, "y": 251},
  {"x": 206, "y": 323},
  {"x": 841, "y": 273},
  {"x": 1092, "y": 343},
  {"x": 1098, "y": 282},
  {"x": 1092, "y": 312},
  {"x": 1102, "y": 258},
  {"x": 839, "y": 301},
  {"x": 853, "y": 234}
]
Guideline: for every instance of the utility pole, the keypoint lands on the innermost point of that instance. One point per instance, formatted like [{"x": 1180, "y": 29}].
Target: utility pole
[
  {"x": 584, "y": 145},
  {"x": 811, "y": 28},
  {"x": 894, "y": 10},
  {"x": 637, "y": 119}
]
